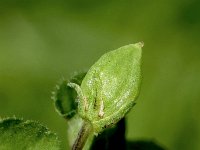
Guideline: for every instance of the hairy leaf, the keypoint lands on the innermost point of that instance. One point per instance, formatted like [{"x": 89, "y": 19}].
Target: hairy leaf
[
  {"x": 65, "y": 97},
  {"x": 17, "y": 134}
]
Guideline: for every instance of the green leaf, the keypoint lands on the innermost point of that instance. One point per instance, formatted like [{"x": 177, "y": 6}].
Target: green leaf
[
  {"x": 17, "y": 134},
  {"x": 65, "y": 97},
  {"x": 110, "y": 87},
  {"x": 65, "y": 100}
]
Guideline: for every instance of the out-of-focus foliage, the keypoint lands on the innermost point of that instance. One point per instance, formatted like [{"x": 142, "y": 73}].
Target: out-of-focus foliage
[{"x": 43, "y": 41}]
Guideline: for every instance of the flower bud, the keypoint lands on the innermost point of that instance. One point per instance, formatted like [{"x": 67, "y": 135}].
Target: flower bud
[{"x": 111, "y": 86}]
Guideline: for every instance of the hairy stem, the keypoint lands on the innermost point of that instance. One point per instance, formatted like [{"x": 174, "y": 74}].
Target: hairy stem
[{"x": 82, "y": 136}]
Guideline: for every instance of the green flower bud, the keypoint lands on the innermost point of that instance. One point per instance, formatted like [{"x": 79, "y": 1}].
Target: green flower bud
[{"x": 110, "y": 87}]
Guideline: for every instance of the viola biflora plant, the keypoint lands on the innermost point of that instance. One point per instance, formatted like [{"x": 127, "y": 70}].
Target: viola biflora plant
[{"x": 93, "y": 103}]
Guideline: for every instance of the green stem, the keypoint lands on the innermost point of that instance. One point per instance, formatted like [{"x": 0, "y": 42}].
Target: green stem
[{"x": 82, "y": 136}]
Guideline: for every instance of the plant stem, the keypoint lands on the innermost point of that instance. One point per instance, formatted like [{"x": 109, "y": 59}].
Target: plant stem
[{"x": 82, "y": 136}]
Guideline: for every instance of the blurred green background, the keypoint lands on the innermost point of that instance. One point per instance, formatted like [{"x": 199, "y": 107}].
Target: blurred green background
[{"x": 42, "y": 41}]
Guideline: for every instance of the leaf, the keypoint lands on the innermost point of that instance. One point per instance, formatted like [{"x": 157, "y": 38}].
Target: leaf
[
  {"x": 17, "y": 134},
  {"x": 110, "y": 87},
  {"x": 65, "y": 100},
  {"x": 65, "y": 97}
]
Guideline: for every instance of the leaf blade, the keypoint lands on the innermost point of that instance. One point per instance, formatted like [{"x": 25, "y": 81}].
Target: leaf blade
[
  {"x": 30, "y": 135},
  {"x": 65, "y": 96}
]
